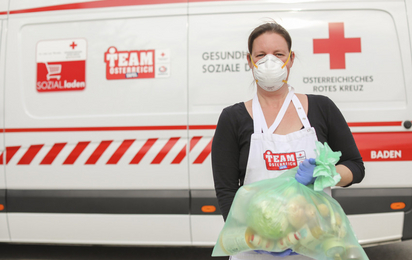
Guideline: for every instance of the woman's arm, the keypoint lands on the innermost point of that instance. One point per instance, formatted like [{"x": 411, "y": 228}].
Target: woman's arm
[
  {"x": 345, "y": 174},
  {"x": 225, "y": 161},
  {"x": 340, "y": 138}
]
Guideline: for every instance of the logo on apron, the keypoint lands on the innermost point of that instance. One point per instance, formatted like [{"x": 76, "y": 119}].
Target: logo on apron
[{"x": 283, "y": 161}]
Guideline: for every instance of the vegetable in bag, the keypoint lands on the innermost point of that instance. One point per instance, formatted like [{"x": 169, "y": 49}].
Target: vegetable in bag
[{"x": 280, "y": 213}]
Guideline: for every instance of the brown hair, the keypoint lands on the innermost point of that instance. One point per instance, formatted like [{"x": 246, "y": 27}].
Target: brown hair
[{"x": 273, "y": 27}]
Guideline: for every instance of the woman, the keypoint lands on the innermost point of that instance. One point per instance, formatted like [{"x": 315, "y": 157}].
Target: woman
[{"x": 251, "y": 136}]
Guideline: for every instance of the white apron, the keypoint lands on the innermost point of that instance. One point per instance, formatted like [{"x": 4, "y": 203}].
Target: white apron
[{"x": 271, "y": 154}]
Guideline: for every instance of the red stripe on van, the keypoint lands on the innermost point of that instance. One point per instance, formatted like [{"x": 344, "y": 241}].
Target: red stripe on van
[
  {"x": 182, "y": 153},
  {"x": 362, "y": 124},
  {"x": 204, "y": 154},
  {"x": 202, "y": 127},
  {"x": 373, "y": 146},
  {"x": 384, "y": 146},
  {"x": 30, "y": 154},
  {"x": 165, "y": 150},
  {"x": 97, "y": 4},
  {"x": 164, "y": 127},
  {"x": 194, "y": 141},
  {"x": 142, "y": 152},
  {"x": 71, "y": 159},
  {"x": 87, "y": 129},
  {"x": 120, "y": 151},
  {"x": 10, "y": 152},
  {"x": 98, "y": 152},
  {"x": 103, "y": 4},
  {"x": 52, "y": 154}
]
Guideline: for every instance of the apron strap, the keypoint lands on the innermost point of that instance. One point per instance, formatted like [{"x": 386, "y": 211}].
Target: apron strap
[
  {"x": 282, "y": 110},
  {"x": 259, "y": 123},
  {"x": 301, "y": 112}
]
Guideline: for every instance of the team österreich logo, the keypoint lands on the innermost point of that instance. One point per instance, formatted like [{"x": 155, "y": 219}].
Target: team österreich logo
[
  {"x": 283, "y": 161},
  {"x": 137, "y": 64}
]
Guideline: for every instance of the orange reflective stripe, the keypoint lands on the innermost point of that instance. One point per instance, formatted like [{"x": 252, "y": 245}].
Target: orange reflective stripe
[
  {"x": 208, "y": 208},
  {"x": 398, "y": 205},
  {"x": 1, "y": 207}
]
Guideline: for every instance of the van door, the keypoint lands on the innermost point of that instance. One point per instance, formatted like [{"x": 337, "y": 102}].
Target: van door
[
  {"x": 4, "y": 229},
  {"x": 368, "y": 76},
  {"x": 96, "y": 118},
  {"x": 218, "y": 78}
]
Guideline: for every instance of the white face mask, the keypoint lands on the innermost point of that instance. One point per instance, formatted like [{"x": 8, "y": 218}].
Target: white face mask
[{"x": 270, "y": 72}]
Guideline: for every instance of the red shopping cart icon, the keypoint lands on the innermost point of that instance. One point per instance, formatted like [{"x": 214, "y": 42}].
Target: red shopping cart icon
[{"x": 53, "y": 71}]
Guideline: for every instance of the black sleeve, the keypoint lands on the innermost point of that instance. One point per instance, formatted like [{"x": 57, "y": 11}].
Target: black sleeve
[
  {"x": 339, "y": 138},
  {"x": 225, "y": 161}
]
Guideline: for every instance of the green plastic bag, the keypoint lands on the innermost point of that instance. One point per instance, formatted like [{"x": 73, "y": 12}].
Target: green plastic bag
[{"x": 280, "y": 213}]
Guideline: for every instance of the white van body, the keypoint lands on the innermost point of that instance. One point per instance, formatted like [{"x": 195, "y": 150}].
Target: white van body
[{"x": 109, "y": 108}]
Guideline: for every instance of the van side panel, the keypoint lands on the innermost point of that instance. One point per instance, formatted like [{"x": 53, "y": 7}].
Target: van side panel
[{"x": 96, "y": 117}]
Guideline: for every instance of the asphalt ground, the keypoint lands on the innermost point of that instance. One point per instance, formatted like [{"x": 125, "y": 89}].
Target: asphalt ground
[{"x": 398, "y": 251}]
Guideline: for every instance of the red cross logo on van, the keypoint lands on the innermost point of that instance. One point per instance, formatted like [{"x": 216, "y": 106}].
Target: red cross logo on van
[
  {"x": 337, "y": 46},
  {"x": 73, "y": 45}
]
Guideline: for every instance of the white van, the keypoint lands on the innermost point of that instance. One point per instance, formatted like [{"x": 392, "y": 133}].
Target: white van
[{"x": 108, "y": 110}]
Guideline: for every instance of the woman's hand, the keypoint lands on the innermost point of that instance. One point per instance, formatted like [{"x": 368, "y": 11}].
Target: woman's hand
[{"x": 305, "y": 172}]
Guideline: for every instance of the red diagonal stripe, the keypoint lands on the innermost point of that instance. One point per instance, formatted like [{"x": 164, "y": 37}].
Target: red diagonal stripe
[
  {"x": 30, "y": 154},
  {"x": 182, "y": 153},
  {"x": 98, "y": 152},
  {"x": 142, "y": 152},
  {"x": 76, "y": 152},
  {"x": 1, "y": 158},
  {"x": 165, "y": 150},
  {"x": 120, "y": 151},
  {"x": 10, "y": 152},
  {"x": 194, "y": 141},
  {"x": 204, "y": 154},
  {"x": 52, "y": 154}
]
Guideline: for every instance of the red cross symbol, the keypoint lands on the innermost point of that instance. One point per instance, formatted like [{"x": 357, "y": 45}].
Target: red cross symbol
[
  {"x": 337, "y": 45},
  {"x": 73, "y": 45}
]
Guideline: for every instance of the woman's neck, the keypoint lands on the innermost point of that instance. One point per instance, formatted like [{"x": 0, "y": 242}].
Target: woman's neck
[{"x": 273, "y": 100}]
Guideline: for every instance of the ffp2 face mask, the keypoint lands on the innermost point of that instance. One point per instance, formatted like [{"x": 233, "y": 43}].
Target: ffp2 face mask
[{"x": 270, "y": 72}]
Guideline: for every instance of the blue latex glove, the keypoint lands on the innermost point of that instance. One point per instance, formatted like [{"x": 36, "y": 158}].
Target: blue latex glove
[
  {"x": 305, "y": 172},
  {"x": 281, "y": 254}
]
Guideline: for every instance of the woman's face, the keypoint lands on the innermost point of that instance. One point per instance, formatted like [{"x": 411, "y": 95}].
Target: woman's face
[{"x": 271, "y": 43}]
